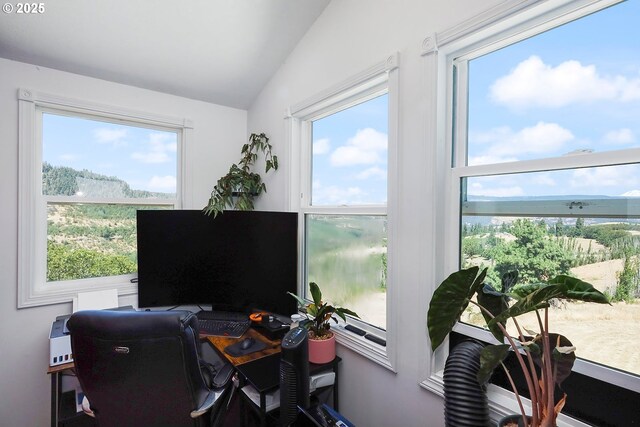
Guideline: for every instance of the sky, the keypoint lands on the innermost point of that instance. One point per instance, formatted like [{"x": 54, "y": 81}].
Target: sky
[
  {"x": 349, "y": 165},
  {"x": 145, "y": 158},
  {"x": 575, "y": 88}
]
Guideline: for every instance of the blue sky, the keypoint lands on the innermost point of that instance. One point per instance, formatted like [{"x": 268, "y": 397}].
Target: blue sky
[
  {"x": 350, "y": 155},
  {"x": 145, "y": 158},
  {"x": 574, "y": 88}
]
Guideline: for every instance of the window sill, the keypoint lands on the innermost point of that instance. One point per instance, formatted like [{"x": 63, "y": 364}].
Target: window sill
[
  {"x": 66, "y": 291},
  {"x": 364, "y": 347},
  {"x": 501, "y": 402}
]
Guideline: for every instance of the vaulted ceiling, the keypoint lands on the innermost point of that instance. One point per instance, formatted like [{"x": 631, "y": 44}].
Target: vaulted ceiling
[{"x": 219, "y": 51}]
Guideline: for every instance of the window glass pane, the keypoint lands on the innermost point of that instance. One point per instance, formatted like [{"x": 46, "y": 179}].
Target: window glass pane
[
  {"x": 554, "y": 95},
  {"x": 612, "y": 182},
  {"x": 349, "y": 162},
  {"x": 91, "y": 240},
  {"x": 98, "y": 159},
  {"x": 347, "y": 258},
  {"x": 564, "y": 229}
]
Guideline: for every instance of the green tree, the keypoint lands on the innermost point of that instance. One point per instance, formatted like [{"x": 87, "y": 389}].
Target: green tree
[
  {"x": 628, "y": 281},
  {"x": 559, "y": 228},
  {"x": 535, "y": 255},
  {"x": 64, "y": 263}
]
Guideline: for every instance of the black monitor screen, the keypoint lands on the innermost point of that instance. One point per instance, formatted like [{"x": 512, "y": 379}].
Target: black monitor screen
[{"x": 237, "y": 261}]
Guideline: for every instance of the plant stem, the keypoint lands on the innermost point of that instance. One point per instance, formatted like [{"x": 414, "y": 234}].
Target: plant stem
[
  {"x": 515, "y": 390},
  {"x": 523, "y": 366},
  {"x": 534, "y": 407},
  {"x": 549, "y": 384}
]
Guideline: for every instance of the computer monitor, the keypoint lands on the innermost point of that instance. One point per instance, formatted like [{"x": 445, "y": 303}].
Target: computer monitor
[{"x": 237, "y": 261}]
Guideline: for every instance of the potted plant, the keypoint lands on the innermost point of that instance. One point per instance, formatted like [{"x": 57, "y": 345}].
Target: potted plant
[
  {"x": 322, "y": 342},
  {"x": 545, "y": 359},
  {"x": 240, "y": 185}
]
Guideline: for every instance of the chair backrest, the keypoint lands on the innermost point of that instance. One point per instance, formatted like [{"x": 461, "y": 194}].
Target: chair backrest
[{"x": 139, "y": 368}]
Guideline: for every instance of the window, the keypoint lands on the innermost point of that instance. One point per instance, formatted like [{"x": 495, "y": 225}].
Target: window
[
  {"x": 85, "y": 173},
  {"x": 346, "y": 145},
  {"x": 544, "y": 164},
  {"x": 345, "y": 252}
]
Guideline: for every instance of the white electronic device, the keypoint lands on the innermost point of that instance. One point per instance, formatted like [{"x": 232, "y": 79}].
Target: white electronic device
[
  {"x": 321, "y": 380},
  {"x": 59, "y": 343}
]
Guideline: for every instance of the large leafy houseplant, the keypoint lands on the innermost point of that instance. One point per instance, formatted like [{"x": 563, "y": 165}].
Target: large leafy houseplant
[
  {"x": 241, "y": 185},
  {"x": 546, "y": 359},
  {"x": 320, "y": 313}
]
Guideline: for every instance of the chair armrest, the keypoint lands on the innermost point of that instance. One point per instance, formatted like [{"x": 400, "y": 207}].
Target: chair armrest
[{"x": 208, "y": 403}]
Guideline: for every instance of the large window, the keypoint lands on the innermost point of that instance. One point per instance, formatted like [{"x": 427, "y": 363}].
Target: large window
[
  {"x": 85, "y": 175},
  {"x": 346, "y": 251},
  {"x": 543, "y": 174},
  {"x": 346, "y": 148}
]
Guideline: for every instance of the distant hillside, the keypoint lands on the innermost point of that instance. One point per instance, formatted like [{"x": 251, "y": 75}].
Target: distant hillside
[{"x": 66, "y": 181}]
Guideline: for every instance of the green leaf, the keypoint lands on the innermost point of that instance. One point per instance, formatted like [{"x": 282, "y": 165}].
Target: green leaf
[
  {"x": 342, "y": 312},
  {"x": 571, "y": 288},
  {"x": 315, "y": 293},
  {"x": 561, "y": 363},
  {"x": 495, "y": 302},
  {"x": 532, "y": 347},
  {"x": 301, "y": 302},
  {"x": 312, "y": 309},
  {"x": 561, "y": 287},
  {"x": 449, "y": 301},
  {"x": 509, "y": 280},
  {"x": 490, "y": 357}
]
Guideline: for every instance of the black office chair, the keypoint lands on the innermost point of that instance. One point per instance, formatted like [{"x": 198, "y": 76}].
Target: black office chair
[{"x": 143, "y": 369}]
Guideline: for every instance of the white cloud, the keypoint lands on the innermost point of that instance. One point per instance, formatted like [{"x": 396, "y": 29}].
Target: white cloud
[
  {"x": 364, "y": 148},
  {"x": 506, "y": 145},
  {"x": 158, "y": 149},
  {"x": 115, "y": 137},
  {"x": 374, "y": 172},
  {"x": 334, "y": 195},
  {"x": 321, "y": 146},
  {"x": 532, "y": 83},
  {"x": 162, "y": 183},
  {"x": 596, "y": 179},
  {"x": 543, "y": 179},
  {"x": 620, "y": 136},
  {"x": 477, "y": 189}
]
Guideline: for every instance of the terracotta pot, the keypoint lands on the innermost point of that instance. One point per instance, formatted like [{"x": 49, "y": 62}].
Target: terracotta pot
[
  {"x": 511, "y": 420},
  {"x": 322, "y": 351}
]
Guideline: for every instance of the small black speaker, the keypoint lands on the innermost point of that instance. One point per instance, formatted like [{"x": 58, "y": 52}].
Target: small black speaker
[{"x": 294, "y": 375}]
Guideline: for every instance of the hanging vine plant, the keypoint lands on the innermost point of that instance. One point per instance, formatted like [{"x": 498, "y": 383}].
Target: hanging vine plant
[{"x": 238, "y": 188}]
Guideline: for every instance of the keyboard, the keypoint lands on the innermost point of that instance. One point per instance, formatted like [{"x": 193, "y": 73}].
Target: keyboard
[{"x": 223, "y": 324}]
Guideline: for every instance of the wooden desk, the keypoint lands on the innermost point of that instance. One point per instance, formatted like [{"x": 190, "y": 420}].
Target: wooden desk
[
  {"x": 261, "y": 369},
  {"x": 61, "y": 417},
  {"x": 56, "y": 389},
  {"x": 220, "y": 343}
]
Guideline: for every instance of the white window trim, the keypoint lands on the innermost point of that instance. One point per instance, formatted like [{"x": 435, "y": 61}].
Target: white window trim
[
  {"x": 500, "y": 26},
  {"x": 32, "y": 287},
  {"x": 382, "y": 76}
]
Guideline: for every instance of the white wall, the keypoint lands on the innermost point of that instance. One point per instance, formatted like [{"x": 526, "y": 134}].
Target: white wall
[
  {"x": 217, "y": 138},
  {"x": 349, "y": 37}
]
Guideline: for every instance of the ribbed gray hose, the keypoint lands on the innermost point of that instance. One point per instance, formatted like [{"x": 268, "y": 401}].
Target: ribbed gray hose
[{"x": 465, "y": 401}]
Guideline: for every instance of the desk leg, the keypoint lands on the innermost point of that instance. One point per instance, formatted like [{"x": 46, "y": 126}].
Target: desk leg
[
  {"x": 55, "y": 397},
  {"x": 336, "y": 386},
  {"x": 263, "y": 410}
]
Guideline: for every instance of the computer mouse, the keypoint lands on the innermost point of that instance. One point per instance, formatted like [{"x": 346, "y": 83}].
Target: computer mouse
[{"x": 246, "y": 343}]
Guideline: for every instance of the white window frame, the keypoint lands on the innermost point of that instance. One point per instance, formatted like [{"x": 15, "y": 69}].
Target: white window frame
[
  {"x": 33, "y": 289},
  {"x": 379, "y": 79},
  {"x": 445, "y": 55}
]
